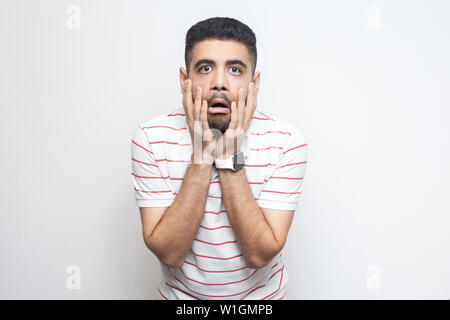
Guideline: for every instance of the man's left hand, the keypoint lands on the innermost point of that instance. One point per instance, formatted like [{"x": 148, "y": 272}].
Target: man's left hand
[{"x": 241, "y": 116}]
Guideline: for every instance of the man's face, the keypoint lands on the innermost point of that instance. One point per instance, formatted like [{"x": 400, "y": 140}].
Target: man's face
[{"x": 220, "y": 67}]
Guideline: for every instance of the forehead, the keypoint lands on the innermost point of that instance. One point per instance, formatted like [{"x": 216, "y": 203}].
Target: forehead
[{"x": 219, "y": 50}]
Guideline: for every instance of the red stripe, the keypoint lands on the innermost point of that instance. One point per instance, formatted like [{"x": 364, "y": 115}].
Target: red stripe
[
  {"x": 217, "y": 258},
  {"x": 143, "y": 177},
  {"x": 170, "y": 142},
  {"x": 275, "y": 273},
  {"x": 260, "y": 165},
  {"x": 176, "y": 114},
  {"x": 260, "y": 134},
  {"x": 206, "y": 295},
  {"x": 149, "y": 164},
  {"x": 182, "y": 291},
  {"x": 291, "y": 164},
  {"x": 164, "y": 127},
  {"x": 222, "y": 211},
  {"x": 141, "y": 146},
  {"x": 215, "y": 228},
  {"x": 257, "y": 118},
  {"x": 265, "y": 180},
  {"x": 157, "y": 191},
  {"x": 258, "y": 182},
  {"x": 214, "y": 197},
  {"x": 224, "y": 296},
  {"x": 279, "y": 286},
  {"x": 162, "y": 294},
  {"x": 286, "y": 178},
  {"x": 168, "y": 160},
  {"x": 257, "y": 288},
  {"x": 284, "y": 295},
  {"x": 280, "y": 192},
  {"x": 271, "y": 147},
  {"x": 218, "y": 284},
  {"x": 265, "y": 115},
  {"x": 302, "y": 145},
  {"x": 214, "y": 271},
  {"x": 215, "y": 244}
]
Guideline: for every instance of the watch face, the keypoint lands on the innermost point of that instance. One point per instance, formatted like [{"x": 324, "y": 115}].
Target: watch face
[{"x": 238, "y": 160}]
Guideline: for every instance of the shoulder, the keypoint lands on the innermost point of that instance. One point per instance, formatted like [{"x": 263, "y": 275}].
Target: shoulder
[
  {"x": 264, "y": 122},
  {"x": 169, "y": 119},
  {"x": 164, "y": 125}
]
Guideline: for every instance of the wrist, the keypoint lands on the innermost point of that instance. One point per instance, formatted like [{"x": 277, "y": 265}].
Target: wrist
[
  {"x": 201, "y": 164},
  {"x": 234, "y": 162},
  {"x": 223, "y": 156},
  {"x": 231, "y": 173}
]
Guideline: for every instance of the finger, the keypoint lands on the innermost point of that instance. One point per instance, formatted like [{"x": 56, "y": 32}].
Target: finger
[
  {"x": 209, "y": 136},
  {"x": 234, "y": 116},
  {"x": 251, "y": 100},
  {"x": 197, "y": 103},
  {"x": 187, "y": 98},
  {"x": 255, "y": 96},
  {"x": 241, "y": 106},
  {"x": 204, "y": 115}
]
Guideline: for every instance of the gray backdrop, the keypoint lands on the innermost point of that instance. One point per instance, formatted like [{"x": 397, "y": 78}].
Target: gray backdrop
[{"x": 367, "y": 80}]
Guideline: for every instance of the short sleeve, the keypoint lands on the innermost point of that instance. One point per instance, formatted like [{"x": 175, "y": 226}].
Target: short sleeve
[
  {"x": 151, "y": 188},
  {"x": 283, "y": 189}
]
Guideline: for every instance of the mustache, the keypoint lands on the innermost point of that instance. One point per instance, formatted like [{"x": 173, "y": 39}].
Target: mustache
[{"x": 219, "y": 96}]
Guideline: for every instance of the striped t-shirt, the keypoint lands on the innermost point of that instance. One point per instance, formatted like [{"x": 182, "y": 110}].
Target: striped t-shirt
[{"x": 275, "y": 160}]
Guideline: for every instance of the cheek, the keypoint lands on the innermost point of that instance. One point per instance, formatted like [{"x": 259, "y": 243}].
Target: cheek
[{"x": 195, "y": 84}]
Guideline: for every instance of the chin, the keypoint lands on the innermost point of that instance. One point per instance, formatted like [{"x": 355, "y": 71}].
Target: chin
[{"x": 219, "y": 122}]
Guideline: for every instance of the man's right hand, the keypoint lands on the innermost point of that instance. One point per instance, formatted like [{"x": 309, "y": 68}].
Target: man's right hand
[{"x": 202, "y": 138}]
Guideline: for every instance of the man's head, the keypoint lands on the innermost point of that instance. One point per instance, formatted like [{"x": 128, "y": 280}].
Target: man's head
[{"x": 220, "y": 57}]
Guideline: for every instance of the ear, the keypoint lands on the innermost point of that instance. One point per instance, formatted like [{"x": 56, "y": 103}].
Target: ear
[
  {"x": 183, "y": 77},
  {"x": 256, "y": 80}
]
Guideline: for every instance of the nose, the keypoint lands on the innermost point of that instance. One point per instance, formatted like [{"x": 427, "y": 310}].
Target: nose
[{"x": 220, "y": 82}]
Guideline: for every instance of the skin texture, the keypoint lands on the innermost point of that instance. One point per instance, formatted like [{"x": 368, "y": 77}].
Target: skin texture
[{"x": 261, "y": 233}]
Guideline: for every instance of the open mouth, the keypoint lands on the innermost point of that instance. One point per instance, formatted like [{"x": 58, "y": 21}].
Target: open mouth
[{"x": 219, "y": 106}]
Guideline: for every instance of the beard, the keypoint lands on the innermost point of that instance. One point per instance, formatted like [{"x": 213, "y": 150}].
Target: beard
[{"x": 219, "y": 122}]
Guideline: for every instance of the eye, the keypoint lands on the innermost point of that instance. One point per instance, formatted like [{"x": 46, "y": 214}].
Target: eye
[
  {"x": 234, "y": 69},
  {"x": 202, "y": 67}
]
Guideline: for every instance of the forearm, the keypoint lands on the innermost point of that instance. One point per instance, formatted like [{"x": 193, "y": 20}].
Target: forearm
[
  {"x": 173, "y": 235},
  {"x": 253, "y": 233}
]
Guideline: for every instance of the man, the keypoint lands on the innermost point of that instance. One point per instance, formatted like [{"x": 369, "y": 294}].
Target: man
[{"x": 217, "y": 182}]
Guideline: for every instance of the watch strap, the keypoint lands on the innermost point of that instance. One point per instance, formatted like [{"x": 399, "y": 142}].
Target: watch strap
[{"x": 224, "y": 163}]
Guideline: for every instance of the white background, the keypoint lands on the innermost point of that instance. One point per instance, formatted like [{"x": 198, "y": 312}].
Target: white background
[{"x": 367, "y": 80}]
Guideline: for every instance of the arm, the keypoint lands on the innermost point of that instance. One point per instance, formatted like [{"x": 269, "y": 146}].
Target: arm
[
  {"x": 170, "y": 233},
  {"x": 261, "y": 233}
]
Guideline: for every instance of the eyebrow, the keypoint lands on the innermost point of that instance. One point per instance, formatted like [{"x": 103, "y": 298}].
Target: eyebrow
[{"x": 228, "y": 62}]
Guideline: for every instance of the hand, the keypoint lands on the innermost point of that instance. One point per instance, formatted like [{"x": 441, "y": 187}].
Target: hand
[
  {"x": 241, "y": 116},
  {"x": 203, "y": 141}
]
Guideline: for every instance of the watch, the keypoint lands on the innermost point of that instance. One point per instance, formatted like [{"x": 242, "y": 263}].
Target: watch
[{"x": 235, "y": 162}]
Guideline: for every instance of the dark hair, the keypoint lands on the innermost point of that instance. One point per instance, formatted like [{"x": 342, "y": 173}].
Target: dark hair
[{"x": 220, "y": 28}]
